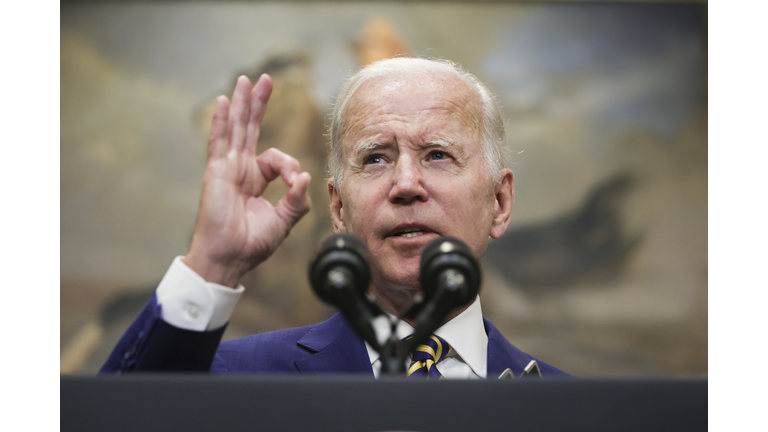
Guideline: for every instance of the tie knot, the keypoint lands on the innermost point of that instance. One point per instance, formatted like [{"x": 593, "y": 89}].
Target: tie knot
[
  {"x": 435, "y": 348},
  {"x": 426, "y": 355}
]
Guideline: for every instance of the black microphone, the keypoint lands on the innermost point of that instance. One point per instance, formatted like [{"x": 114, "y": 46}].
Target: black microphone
[
  {"x": 450, "y": 278},
  {"x": 450, "y": 269},
  {"x": 340, "y": 275},
  {"x": 340, "y": 264}
]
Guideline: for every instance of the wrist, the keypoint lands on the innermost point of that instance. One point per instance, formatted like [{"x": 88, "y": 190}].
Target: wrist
[{"x": 226, "y": 275}]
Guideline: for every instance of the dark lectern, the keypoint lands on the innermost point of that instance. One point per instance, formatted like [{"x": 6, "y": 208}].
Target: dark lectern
[{"x": 168, "y": 402}]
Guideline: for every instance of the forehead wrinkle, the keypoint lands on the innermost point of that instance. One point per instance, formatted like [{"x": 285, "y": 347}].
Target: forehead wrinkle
[
  {"x": 457, "y": 99},
  {"x": 365, "y": 119},
  {"x": 456, "y": 95}
]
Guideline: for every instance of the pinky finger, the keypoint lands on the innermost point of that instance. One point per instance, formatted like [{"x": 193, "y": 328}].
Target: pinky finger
[{"x": 217, "y": 141}]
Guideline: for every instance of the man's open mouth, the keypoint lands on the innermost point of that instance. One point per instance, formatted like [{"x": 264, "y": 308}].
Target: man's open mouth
[{"x": 410, "y": 232}]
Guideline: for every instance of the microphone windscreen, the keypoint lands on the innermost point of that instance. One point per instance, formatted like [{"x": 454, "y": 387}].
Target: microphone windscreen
[
  {"x": 450, "y": 253},
  {"x": 341, "y": 258}
]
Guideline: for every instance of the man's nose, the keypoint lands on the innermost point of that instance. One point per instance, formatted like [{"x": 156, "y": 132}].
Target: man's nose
[{"x": 407, "y": 182}]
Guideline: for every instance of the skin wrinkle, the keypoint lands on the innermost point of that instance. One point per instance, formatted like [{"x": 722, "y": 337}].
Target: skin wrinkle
[
  {"x": 407, "y": 117},
  {"x": 491, "y": 118},
  {"x": 390, "y": 152},
  {"x": 404, "y": 125},
  {"x": 467, "y": 99}
]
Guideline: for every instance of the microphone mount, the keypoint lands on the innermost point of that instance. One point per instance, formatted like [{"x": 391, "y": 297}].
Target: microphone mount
[{"x": 449, "y": 277}]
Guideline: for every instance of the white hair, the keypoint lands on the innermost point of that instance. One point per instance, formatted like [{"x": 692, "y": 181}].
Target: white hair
[{"x": 492, "y": 134}]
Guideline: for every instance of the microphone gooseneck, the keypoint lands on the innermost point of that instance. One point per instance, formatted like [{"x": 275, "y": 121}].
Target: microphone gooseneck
[{"x": 340, "y": 275}]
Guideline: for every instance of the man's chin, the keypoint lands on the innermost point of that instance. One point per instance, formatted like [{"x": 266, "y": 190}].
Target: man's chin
[
  {"x": 398, "y": 281},
  {"x": 395, "y": 273},
  {"x": 395, "y": 295}
]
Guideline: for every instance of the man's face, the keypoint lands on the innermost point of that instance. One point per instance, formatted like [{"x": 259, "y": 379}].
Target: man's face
[{"x": 414, "y": 171}]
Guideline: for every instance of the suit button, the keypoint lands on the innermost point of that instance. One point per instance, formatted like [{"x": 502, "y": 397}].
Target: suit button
[
  {"x": 132, "y": 350},
  {"x": 129, "y": 353}
]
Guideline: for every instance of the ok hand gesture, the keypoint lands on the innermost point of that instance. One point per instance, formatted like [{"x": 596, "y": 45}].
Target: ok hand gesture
[{"x": 236, "y": 228}]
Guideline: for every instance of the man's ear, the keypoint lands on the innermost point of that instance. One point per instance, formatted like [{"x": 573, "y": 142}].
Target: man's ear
[
  {"x": 337, "y": 209},
  {"x": 504, "y": 198}
]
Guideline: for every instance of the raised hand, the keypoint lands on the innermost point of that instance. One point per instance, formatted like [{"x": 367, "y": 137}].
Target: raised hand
[{"x": 236, "y": 228}]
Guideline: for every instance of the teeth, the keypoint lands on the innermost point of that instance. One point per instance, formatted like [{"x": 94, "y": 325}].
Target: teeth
[{"x": 412, "y": 233}]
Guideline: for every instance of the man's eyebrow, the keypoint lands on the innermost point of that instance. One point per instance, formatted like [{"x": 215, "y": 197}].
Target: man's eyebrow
[
  {"x": 368, "y": 147},
  {"x": 449, "y": 145},
  {"x": 446, "y": 143},
  {"x": 441, "y": 142}
]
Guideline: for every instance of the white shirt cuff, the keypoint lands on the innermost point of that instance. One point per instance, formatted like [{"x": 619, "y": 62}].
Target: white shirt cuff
[{"x": 190, "y": 302}]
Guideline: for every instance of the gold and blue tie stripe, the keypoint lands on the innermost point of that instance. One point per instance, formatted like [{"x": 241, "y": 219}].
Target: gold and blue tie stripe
[{"x": 425, "y": 357}]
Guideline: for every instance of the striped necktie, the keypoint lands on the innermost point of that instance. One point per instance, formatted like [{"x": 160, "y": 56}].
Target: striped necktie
[{"x": 427, "y": 355}]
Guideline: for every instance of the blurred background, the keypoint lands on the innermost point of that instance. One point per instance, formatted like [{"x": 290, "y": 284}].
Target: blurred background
[{"x": 603, "y": 270}]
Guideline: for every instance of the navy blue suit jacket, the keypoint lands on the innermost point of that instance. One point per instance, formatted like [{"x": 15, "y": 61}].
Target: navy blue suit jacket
[{"x": 331, "y": 347}]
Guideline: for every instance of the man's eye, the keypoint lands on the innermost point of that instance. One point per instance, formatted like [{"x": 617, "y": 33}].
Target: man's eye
[
  {"x": 373, "y": 159},
  {"x": 437, "y": 155}
]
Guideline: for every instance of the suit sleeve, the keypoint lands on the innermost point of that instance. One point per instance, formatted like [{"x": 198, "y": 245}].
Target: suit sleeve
[
  {"x": 179, "y": 328},
  {"x": 151, "y": 344}
]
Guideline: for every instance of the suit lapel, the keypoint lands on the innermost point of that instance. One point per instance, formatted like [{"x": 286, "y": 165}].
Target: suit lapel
[
  {"x": 333, "y": 348},
  {"x": 502, "y": 354}
]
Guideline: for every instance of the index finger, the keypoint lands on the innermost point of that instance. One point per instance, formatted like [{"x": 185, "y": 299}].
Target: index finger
[
  {"x": 273, "y": 163},
  {"x": 259, "y": 97}
]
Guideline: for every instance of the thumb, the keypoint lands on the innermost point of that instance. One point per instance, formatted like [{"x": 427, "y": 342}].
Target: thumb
[{"x": 296, "y": 203}]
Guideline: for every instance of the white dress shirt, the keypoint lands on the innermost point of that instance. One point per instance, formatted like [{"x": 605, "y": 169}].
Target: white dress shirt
[
  {"x": 465, "y": 334},
  {"x": 191, "y": 303}
]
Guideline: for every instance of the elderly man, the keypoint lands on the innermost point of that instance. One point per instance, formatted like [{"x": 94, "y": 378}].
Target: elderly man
[{"x": 417, "y": 152}]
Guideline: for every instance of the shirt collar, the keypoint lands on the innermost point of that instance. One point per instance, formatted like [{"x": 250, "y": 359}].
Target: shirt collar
[{"x": 465, "y": 333}]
